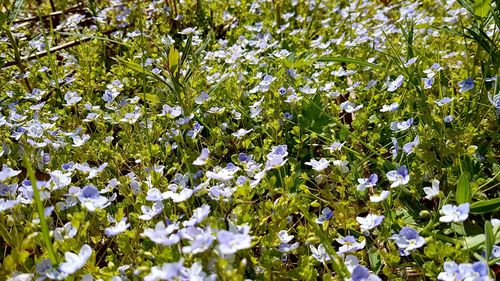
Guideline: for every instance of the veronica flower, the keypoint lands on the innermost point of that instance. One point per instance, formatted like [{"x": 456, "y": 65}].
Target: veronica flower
[
  {"x": 326, "y": 214},
  {"x": 398, "y": 177},
  {"x": 202, "y": 159},
  {"x": 154, "y": 194},
  {"x": 394, "y": 85},
  {"x": 75, "y": 261},
  {"x": 428, "y": 82},
  {"x": 433, "y": 190},
  {"x": 494, "y": 100},
  {"x": 336, "y": 146},
  {"x": 178, "y": 193},
  {"x": 117, "y": 228},
  {"x": 150, "y": 212},
  {"x": 91, "y": 199},
  {"x": 223, "y": 174},
  {"x": 162, "y": 234},
  {"x": 168, "y": 271},
  {"x": 367, "y": 182},
  {"x": 342, "y": 165},
  {"x": 449, "y": 118},
  {"x": 408, "y": 240},
  {"x": 195, "y": 273},
  {"x": 200, "y": 239},
  {"x": 382, "y": 196},
  {"x": 369, "y": 222},
  {"x": 308, "y": 90},
  {"x": 452, "y": 213},
  {"x": 350, "y": 107},
  {"x": 477, "y": 271},
  {"x": 349, "y": 244},
  {"x": 65, "y": 232},
  {"x": 318, "y": 166},
  {"x": 401, "y": 126},
  {"x": 276, "y": 157},
  {"x": 171, "y": 112},
  {"x": 320, "y": 253},
  {"x": 443, "y": 101},
  {"x": 79, "y": 141},
  {"x": 7, "y": 204},
  {"x": 409, "y": 147},
  {"x": 8, "y": 173},
  {"x": 394, "y": 148},
  {"x": 71, "y": 98},
  {"x": 241, "y": 132},
  {"x": 392, "y": 107},
  {"x": 361, "y": 273},
  {"x": 199, "y": 214},
  {"x": 466, "y": 85},
  {"x": 230, "y": 242}
]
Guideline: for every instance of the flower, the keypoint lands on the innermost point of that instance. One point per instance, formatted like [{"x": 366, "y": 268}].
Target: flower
[
  {"x": 91, "y": 199},
  {"x": 350, "y": 107},
  {"x": 349, "y": 244},
  {"x": 326, "y": 214},
  {"x": 494, "y": 100},
  {"x": 342, "y": 165},
  {"x": 320, "y": 253},
  {"x": 276, "y": 158},
  {"x": 65, "y": 232},
  {"x": 443, "y": 101},
  {"x": 202, "y": 159},
  {"x": 392, "y": 107},
  {"x": 162, "y": 234},
  {"x": 8, "y": 173},
  {"x": 199, "y": 214},
  {"x": 75, "y": 261},
  {"x": 394, "y": 85},
  {"x": 149, "y": 212},
  {"x": 241, "y": 132},
  {"x": 230, "y": 242},
  {"x": 367, "y": 182},
  {"x": 477, "y": 271},
  {"x": 409, "y": 147},
  {"x": 433, "y": 190},
  {"x": 402, "y": 125},
  {"x": 200, "y": 239},
  {"x": 394, "y": 148},
  {"x": 318, "y": 166},
  {"x": 408, "y": 240},
  {"x": 369, "y": 222},
  {"x": 398, "y": 177},
  {"x": 168, "y": 271},
  {"x": 377, "y": 198},
  {"x": 117, "y": 228},
  {"x": 466, "y": 85},
  {"x": 452, "y": 213},
  {"x": 361, "y": 273}
]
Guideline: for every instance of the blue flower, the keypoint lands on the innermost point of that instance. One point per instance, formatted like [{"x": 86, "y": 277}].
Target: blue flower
[
  {"x": 349, "y": 244},
  {"x": 361, "y": 273},
  {"x": 200, "y": 239},
  {"x": 466, "y": 85},
  {"x": 231, "y": 242},
  {"x": 75, "y": 261},
  {"x": 369, "y": 222},
  {"x": 452, "y": 213},
  {"x": 402, "y": 125},
  {"x": 408, "y": 240},
  {"x": 394, "y": 85},
  {"x": 168, "y": 271},
  {"x": 398, "y": 177},
  {"x": 443, "y": 101},
  {"x": 326, "y": 214},
  {"x": 117, "y": 228},
  {"x": 409, "y": 147},
  {"x": 91, "y": 199},
  {"x": 367, "y": 182},
  {"x": 162, "y": 234}
]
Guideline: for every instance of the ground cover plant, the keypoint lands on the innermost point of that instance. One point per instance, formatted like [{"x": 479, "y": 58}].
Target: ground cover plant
[{"x": 249, "y": 140}]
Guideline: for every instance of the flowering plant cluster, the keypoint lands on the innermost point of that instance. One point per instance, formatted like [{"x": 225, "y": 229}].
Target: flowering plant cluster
[{"x": 249, "y": 140}]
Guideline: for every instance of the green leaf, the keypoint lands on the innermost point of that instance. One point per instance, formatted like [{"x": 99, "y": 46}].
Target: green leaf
[
  {"x": 464, "y": 193},
  {"x": 481, "y": 7},
  {"x": 149, "y": 98},
  {"x": 490, "y": 239},
  {"x": 374, "y": 258},
  {"x": 173, "y": 59},
  {"x": 348, "y": 60},
  {"x": 16, "y": 8},
  {"x": 485, "y": 206}
]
